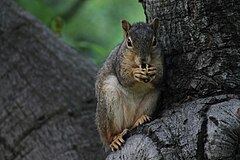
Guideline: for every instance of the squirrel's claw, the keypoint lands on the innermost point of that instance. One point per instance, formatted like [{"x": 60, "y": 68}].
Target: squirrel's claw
[
  {"x": 145, "y": 73},
  {"x": 118, "y": 141},
  {"x": 141, "y": 120},
  {"x": 114, "y": 147},
  {"x": 140, "y": 75},
  {"x": 151, "y": 73}
]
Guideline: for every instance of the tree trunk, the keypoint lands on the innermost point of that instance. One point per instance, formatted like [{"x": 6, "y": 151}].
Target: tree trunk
[
  {"x": 201, "y": 115},
  {"x": 47, "y": 102}
]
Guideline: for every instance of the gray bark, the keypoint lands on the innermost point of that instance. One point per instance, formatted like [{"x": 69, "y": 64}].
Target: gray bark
[
  {"x": 207, "y": 128},
  {"x": 47, "y": 102},
  {"x": 200, "y": 117}
]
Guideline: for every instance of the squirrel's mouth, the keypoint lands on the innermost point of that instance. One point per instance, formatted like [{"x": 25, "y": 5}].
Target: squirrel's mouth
[{"x": 145, "y": 66}]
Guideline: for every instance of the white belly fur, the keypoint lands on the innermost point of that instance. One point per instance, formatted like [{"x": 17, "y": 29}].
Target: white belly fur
[{"x": 128, "y": 104}]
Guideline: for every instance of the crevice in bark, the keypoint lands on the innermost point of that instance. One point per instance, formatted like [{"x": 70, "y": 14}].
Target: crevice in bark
[
  {"x": 147, "y": 131},
  {"x": 152, "y": 135},
  {"x": 214, "y": 120},
  {"x": 202, "y": 135}
]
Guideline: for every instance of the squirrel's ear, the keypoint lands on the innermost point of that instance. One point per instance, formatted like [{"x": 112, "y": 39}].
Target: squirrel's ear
[
  {"x": 154, "y": 24},
  {"x": 126, "y": 26}
]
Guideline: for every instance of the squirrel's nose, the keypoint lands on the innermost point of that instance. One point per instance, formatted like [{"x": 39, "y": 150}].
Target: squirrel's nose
[{"x": 143, "y": 61}]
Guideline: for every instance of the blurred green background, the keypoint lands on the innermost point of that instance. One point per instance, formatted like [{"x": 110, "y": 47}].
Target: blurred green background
[{"x": 91, "y": 26}]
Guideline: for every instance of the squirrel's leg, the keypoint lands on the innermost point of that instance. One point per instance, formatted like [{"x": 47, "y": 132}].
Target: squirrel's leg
[
  {"x": 146, "y": 108},
  {"x": 118, "y": 140},
  {"x": 112, "y": 101},
  {"x": 102, "y": 121},
  {"x": 107, "y": 106},
  {"x": 141, "y": 120}
]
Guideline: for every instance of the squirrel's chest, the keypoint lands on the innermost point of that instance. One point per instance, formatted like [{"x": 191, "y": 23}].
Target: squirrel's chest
[
  {"x": 134, "y": 105},
  {"x": 129, "y": 104},
  {"x": 127, "y": 97}
]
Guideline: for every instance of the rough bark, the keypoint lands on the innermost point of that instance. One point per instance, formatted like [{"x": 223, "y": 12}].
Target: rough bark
[
  {"x": 47, "y": 102},
  {"x": 200, "y": 120},
  {"x": 206, "y": 128}
]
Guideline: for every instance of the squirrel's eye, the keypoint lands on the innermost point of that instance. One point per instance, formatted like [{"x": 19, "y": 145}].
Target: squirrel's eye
[
  {"x": 154, "y": 42},
  {"x": 129, "y": 42}
]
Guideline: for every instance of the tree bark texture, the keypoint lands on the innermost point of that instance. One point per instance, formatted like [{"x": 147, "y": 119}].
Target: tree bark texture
[
  {"x": 47, "y": 104},
  {"x": 200, "y": 117}
]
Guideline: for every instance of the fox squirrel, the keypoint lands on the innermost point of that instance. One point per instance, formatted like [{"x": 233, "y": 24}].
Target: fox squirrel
[{"x": 127, "y": 85}]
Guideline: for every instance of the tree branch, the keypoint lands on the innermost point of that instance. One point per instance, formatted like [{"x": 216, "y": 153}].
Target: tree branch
[{"x": 47, "y": 97}]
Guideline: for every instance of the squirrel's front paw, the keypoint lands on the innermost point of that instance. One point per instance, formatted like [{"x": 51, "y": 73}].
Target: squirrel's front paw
[
  {"x": 144, "y": 118},
  {"x": 145, "y": 73},
  {"x": 140, "y": 75},
  {"x": 151, "y": 73}
]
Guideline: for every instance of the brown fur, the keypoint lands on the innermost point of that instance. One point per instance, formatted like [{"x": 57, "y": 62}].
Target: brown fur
[{"x": 122, "y": 96}]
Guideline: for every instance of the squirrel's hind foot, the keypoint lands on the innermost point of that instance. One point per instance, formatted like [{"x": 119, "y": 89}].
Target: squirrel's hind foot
[
  {"x": 141, "y": 120},
  {"x": 118, "y": 141}
]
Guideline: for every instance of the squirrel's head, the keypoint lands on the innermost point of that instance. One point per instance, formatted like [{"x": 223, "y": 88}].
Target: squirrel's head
[{"x": 140, "y": 39}]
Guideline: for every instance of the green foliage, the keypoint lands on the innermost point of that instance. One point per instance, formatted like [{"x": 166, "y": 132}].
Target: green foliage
[{"x": 91, "y": 26}]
